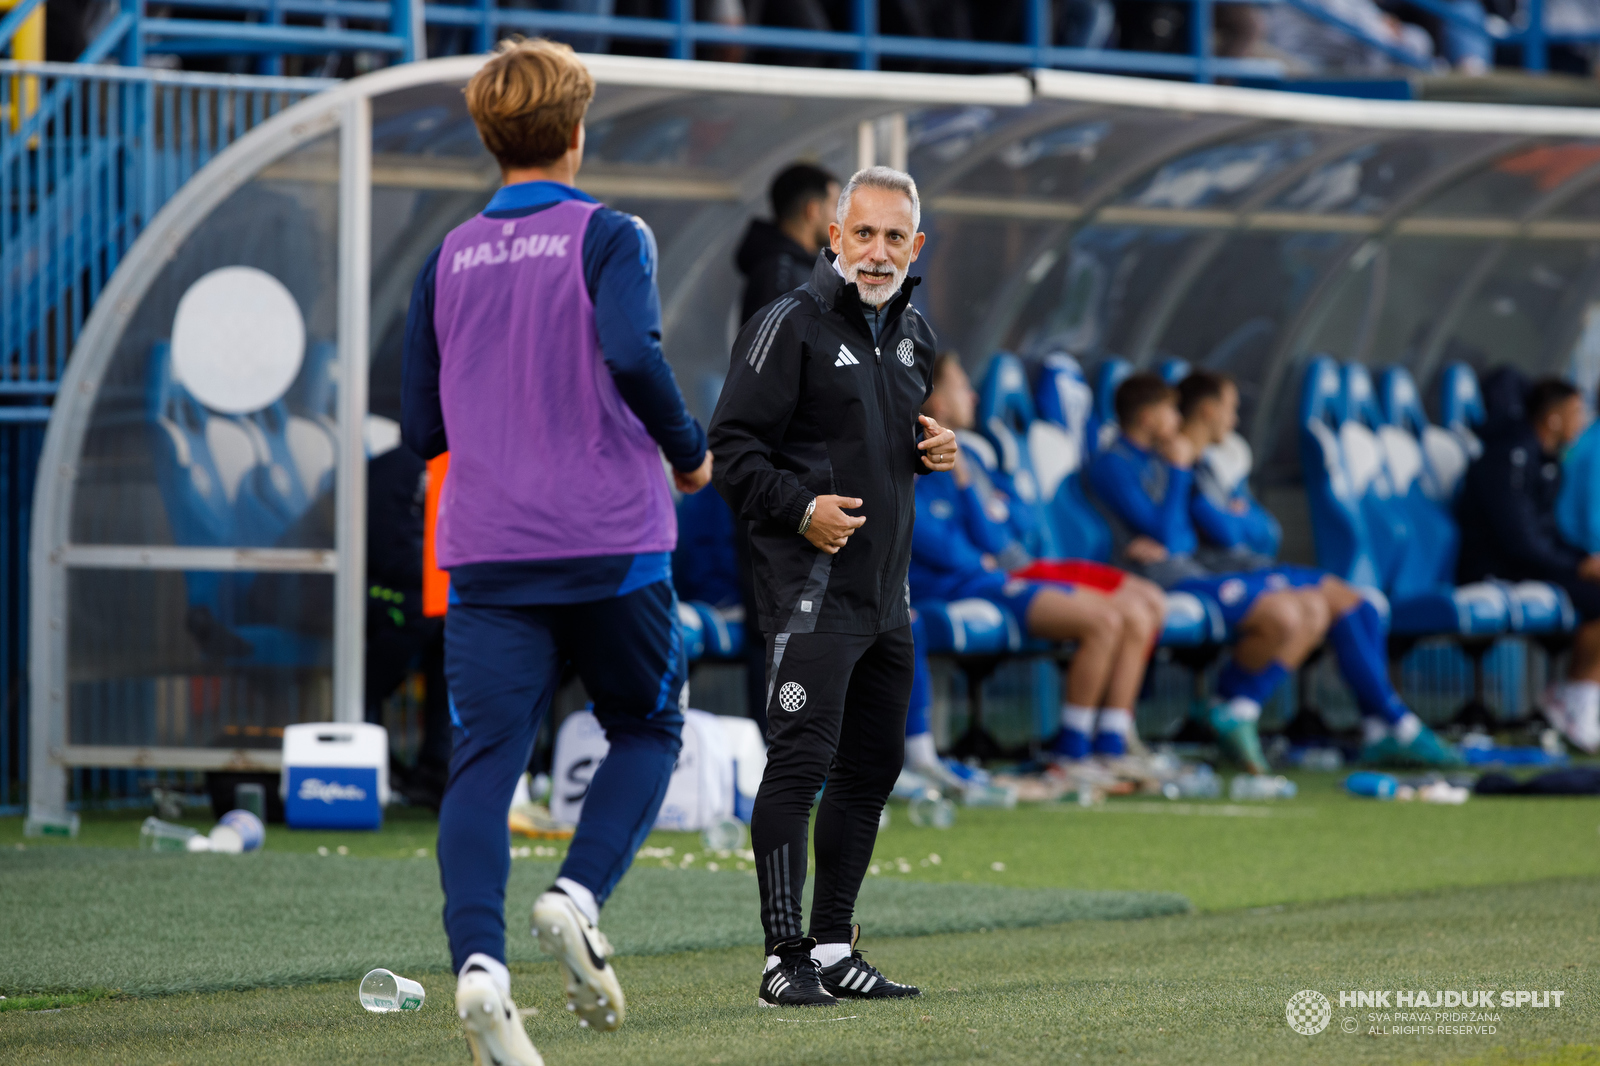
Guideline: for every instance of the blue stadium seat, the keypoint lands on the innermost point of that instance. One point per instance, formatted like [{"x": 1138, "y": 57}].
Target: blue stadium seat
[
  {"x": 1461, "y": 408},
  {"x": 1057, "y": 441},
  {"x": 711, "y": 632},
  {"x": 1005, "y": 414},
  {"x": 1173, "y": 370},
  {"x": 970, "y": 627},
  {"x": 1113, "y": 371},
  {"x": 1192, "y": 621},
  {"x": 1348, "y": 489},
  {"x": 705, "y": 575},
  {"x": 1428, "y": 461}
]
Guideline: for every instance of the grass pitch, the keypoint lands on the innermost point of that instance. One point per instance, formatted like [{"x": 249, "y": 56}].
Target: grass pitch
[{"x": 1323, "y": 892}]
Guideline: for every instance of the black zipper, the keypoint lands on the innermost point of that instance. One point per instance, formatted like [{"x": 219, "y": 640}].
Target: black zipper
[{"x": 884, "y": 413}]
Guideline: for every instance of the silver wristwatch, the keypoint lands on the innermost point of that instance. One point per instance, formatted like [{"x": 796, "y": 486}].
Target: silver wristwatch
[{"x": 805, "y": 523}]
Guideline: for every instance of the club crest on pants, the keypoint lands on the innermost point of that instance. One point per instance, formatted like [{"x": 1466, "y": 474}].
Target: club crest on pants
[{"x": 792, "y": 696}]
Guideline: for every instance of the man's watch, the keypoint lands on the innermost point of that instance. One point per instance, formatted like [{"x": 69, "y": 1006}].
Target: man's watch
[{"x": 805, "y": 522}]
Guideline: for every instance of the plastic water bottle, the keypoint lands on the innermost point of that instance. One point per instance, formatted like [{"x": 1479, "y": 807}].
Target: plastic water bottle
[
  {"x": 1199, "y": 783},
  {"x": 932, "y": 810},
  {"x": 156, "y": 835},
  {"x": 725, "y": 834},
  {"x": 1260, "y": 787},
  {"x": 383, "y": 991},
  {"x": 1369, "y": 783},
  {"x": 1327, "y": 760},
  {"x": 252, "y": 797}
]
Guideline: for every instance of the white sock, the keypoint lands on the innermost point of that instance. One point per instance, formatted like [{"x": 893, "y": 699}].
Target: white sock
[
  {"x": 772, "y": 960},
  {"x": 828, "y": 954},
  {"x": 521, "y": 795},
  {"x": 1407, "y": 728},
  {"x": 1115, "y": 720},
  {"x": 496, "y": 969},
  {"x": 1581, "y": 696},
  {"x": 1078, "y": 719},
  {"x": 920, "y": 752},
  {"x": 1244, "y": 709},
  {"x": 1373, "y": 729},
  {"x": 582, "y": 897}
]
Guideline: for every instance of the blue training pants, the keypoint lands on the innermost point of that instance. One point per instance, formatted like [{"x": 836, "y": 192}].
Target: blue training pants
[{"x": 503, "y": 665}]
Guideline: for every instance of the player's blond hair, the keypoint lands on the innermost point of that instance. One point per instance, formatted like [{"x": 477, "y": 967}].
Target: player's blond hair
[{"x": 528, "y": 99}]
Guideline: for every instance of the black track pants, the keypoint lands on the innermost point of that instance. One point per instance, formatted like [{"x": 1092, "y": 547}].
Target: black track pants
[{"x": 836, "y": 712}]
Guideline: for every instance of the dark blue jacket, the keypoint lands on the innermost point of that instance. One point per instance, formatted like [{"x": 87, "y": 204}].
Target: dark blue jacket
[{"x": 1507, "y": 513}]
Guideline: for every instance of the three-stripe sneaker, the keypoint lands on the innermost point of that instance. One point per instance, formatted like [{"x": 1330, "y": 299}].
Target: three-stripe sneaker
[
  {"x": 795, "y": 979},
  {"x": 593, "y": 992},
  {"x": 855, "y": 978}
]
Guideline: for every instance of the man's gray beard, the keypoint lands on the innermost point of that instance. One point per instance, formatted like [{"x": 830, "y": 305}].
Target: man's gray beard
[{"x": 875, "y": 295}]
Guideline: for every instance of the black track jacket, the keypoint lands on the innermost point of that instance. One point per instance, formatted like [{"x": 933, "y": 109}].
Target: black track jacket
[{"x": 813, "y": 406}]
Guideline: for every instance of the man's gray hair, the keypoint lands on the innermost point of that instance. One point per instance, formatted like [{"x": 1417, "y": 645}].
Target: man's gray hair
[{"x": 882, "y": 178}]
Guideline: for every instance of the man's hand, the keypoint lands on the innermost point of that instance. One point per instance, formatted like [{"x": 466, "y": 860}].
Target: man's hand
[
  {"x": 938, "y": 445},
  {"x": 1145, "y": 550},
  {"x": 696, "y": 479},
  {"x": 1589, "y": 569},
  {"x": 830, "y": 526},
  {"x": 1179, "y": 451}
]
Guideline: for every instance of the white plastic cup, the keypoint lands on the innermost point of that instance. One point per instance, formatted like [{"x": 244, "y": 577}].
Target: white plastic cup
[
  {"x": 725, "y": 834},
  {"x": 156, "y": 835},
  {"x": 931, "y": 810},
  {"x": 383, "y": 991},
  {"x": 240, "y": 824}
]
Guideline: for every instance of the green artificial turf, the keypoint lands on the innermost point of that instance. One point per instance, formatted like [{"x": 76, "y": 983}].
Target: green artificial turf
[
  {"x": 1202, "y": 989},
  {"x": 1322, "y": 845},
  {"x": 146, "y": 923}
]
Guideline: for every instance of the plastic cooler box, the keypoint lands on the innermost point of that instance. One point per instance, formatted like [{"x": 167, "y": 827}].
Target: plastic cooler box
[{"x": 335, "y": 775}]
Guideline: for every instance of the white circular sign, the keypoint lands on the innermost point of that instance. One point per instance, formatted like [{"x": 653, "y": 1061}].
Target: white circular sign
[
  {"x": 791, "y": 697},
  {"x": 237, "y": 340},
  {"x": 906, "y": 352},
  {"x": 1308, "y": 1012}
]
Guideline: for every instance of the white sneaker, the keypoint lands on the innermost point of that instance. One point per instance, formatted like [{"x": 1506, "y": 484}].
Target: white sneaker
[
  {"x": 494, "y": 1028},
  {"x": 1578, "y": 720},
  {"x": 593, "y": 992}
]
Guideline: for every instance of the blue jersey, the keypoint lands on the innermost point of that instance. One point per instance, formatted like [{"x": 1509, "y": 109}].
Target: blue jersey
[
  {"x": 951, "y": 536},
  {"x": 1148, "y": 495},
  {"x": 619, "y": 262}
]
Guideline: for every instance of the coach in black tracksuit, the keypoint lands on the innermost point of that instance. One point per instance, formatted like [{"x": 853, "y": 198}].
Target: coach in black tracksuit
[{"x": 819, "y": 418}]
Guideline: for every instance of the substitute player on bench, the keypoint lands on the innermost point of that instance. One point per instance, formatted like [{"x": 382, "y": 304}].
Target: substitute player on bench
[
  {"x": 816, "y": 439},
  {"x": 533, "y": 355}
]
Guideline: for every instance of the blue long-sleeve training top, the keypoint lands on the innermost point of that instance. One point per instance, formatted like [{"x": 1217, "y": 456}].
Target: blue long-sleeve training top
[
  {"x": 951, "y": 536},
  {"x": 619, "y": 265},
  {"x": 1147, "y": 494}
]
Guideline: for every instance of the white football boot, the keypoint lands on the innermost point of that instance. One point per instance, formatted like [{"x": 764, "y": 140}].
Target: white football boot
[
  {"x": 593, "y": 993},
  {"x": 494, "y": 1027}
]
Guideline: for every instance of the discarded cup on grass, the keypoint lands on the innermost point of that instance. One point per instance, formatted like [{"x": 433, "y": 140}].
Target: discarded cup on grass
[
  {"x": 725, "y": 834},
  {"x": 1260, "y": 787},
  {"x": 383, "y": 991},
  {"x": 932, "y": 810},
  {"x": 237, "y": 832},
  {"x": 156, "y": 835}
]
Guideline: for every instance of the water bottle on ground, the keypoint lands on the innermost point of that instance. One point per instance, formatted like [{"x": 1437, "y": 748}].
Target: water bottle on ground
[
  {"x": 1369, "y": 783},
  {"x": 931, "y": 810},
  {"x": 1200, "y": 782},
  {"x": 383, "y": 991},
  {"x": 156, "y": 835},
  {"x": 252, "y": 797},
  {"x": 725, "y": 834},
  {"x": 1325, "y": 759},
  {"x": 1260, "y": 787}
]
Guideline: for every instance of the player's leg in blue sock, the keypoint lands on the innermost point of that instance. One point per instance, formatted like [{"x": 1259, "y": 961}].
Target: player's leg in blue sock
[
  {"x": 1363, "y": 662},
  {"x": 502, "y": 668}
]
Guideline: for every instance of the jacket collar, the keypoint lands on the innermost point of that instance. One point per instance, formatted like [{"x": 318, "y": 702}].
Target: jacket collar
[{"x": 839, "y": 295}]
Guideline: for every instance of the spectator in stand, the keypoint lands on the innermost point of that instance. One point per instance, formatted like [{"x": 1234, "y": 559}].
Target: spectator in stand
[
  {"x": 1510, "y": 530},
  {"x": 1327, "y": 45},
  {"x": 1115, "y": 617},
  {"x": 1282, "y": 614}
]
